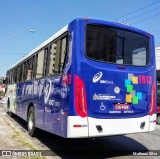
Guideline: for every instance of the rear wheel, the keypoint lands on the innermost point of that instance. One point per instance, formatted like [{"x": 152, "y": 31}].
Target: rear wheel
[
  {"x": 31, "y": 122},
  {"x": 158, "y": 119}
]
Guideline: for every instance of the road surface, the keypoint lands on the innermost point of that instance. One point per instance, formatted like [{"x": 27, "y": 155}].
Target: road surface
[{"x": 14, "y": 136}]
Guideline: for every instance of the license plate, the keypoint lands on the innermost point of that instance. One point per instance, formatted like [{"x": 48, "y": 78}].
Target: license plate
[{"x": 121, "y": 106}]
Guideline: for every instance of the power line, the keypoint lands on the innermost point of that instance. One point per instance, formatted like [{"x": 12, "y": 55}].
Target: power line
[
  {"x": 12, "y": 35},
  {"x": 145, "y": 19},
  {"x": 9, "y": 54},
  {"x": 137, "y": 10},
  {"x": 142, "y": 14},
  {"x": 19, "y": 32}
]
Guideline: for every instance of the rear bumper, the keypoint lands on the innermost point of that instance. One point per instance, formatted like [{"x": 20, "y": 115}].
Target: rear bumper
[{"x": 92, "y": 127}]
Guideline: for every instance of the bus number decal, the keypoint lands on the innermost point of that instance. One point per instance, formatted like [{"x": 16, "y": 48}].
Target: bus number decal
[
  {"x": 145, "y": 79},
  {"x": 67, "y": 79}
]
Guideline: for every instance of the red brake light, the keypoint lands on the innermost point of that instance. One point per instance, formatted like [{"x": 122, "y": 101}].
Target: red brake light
[
  {"x": 85, "y": 19},
  {"x": 76, "y": 126},
  {"x": 153, "y": 99},
  {"x": 80, "y": 97}
]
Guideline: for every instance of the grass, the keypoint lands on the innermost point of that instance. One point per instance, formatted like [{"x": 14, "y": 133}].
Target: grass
[{"x": 22, "y": 140}]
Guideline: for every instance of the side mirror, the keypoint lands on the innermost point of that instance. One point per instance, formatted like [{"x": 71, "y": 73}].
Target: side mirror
[{"x": 4, "y": 81}]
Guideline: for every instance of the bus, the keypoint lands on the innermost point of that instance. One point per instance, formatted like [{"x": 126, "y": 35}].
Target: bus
[{"x": 92, "y": 78}]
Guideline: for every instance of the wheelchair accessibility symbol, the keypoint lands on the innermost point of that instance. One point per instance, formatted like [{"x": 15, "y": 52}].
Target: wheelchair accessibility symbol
[{"x": 102, "y": 107}]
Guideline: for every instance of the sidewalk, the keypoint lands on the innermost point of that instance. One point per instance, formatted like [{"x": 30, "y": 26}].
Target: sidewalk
[{"x": 15, "y": 137}]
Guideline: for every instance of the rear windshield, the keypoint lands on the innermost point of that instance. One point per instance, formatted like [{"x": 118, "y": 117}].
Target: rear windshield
[{"x": 118, "y": 46}]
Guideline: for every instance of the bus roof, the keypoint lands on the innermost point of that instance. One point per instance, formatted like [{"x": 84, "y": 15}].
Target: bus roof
[{"x": 56, "y": 35}]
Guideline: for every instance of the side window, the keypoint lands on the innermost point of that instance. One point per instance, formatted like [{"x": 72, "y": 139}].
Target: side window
[
  {"x": 45, "y": 62},
  {"x": 57, "y": 59},
  {"x": 29, "y": 64},
  {"x": 24, "y": 71},
  {"x": 10, "y": 76},
  {"x": 14, "y": 76},
  {"x": 63, "y": 53},
  {"x": 34, "y": 65},
  {"x": 29, "y": 69},
  {"x": 20, "y": 73},
  {"x": 22, "y": 65},
  {"x": 52, "y": 59},
  {"x": 40, "y": 63},
  {"x": 17, "y": 73}
]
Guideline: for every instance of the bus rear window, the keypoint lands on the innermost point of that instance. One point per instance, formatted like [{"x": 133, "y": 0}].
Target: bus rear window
[{"x": 118, "y": 46}]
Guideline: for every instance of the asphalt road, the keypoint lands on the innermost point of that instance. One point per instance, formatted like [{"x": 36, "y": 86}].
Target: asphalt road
[{"x": 14, "y": 136}]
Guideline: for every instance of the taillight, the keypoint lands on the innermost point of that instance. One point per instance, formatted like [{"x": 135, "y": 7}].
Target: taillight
[
  {"x": 3, "y": 86},
  {"x": 80, "y": 97},
  {"x": 153, "y": 99}
]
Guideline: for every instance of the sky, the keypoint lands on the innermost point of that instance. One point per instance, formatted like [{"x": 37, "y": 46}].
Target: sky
[{"x": 46, "y": 17}]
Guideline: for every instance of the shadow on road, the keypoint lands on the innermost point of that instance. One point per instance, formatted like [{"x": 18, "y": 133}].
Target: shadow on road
[{"x": 104, "y": 147}]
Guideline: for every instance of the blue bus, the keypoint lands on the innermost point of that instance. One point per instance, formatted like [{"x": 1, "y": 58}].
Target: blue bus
[{"x": 92, "y": 78}]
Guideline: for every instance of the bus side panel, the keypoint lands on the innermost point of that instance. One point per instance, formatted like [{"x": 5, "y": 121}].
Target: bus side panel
[
  {"x": 20, "y": 98},
  {"x": 38, "y": 102},
  {"x": 55, "y": 98},
  {"x": 23, "y": 97}
]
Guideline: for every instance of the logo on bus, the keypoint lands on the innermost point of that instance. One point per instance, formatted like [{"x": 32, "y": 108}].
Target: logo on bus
[
  {"x": 117, "y": 90},
  {"x": 97, "y": 77},
  {"x": 104, "y": 97}
]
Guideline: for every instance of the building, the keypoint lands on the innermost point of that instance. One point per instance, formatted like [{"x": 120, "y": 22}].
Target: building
[{"x": 158, "y": 62}]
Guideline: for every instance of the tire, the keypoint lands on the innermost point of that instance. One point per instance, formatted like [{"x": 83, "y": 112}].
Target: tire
[
  {"x": 31, "y": 122},
  {"x": 158, "y": 119}
]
